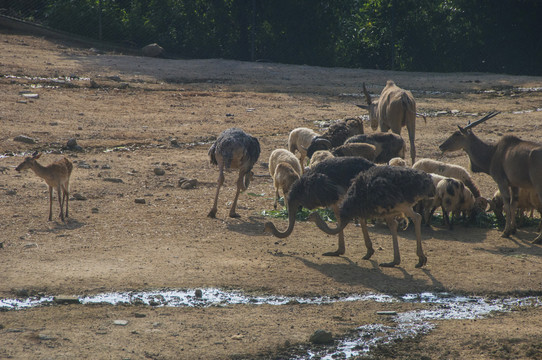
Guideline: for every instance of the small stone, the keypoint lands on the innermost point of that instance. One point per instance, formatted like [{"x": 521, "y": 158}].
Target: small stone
[
  {"x": 78, "y": 196},
  {"x": 120, "y": 322},
  {"x": 30, "y": 246},
  {"x": 83, "y": 165},
  {"x": 113, "y": 180},
  {"x": 11, "y": 192},
  {"x": 140, "y": 315},
  {"x": 198, "y": 293},
  {"x": 30, "y": 96},
  {"x": 140, "y": 201},
  {"x": 152, "y": 50},
  {"x": 66, "y": 299},
  {"x": 24, "y": 139},
  {"x": 159, "y": 171},
  {"x": 106, "y": 167},
  {"x": 175, "y": 143},
  {"x": 45, "y": 337},
  {"x": 189, "y": 184},
  {"x": 386, "y": 312},
  {"x": 94, "y": 210},
  {"x": 321, "y": 337}
]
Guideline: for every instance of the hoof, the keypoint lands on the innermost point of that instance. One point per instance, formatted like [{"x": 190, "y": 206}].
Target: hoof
[{"x": 421, "y": 263}]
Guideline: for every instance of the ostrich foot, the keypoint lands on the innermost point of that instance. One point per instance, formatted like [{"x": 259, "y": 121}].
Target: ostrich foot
[
  {"x": 235, "y": 215},
  {"x": 370, "y": 253},
  {"x": 422, "y": 262}
]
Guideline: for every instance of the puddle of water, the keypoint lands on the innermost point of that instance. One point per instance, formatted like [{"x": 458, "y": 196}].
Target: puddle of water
[{"x": 444, "y": 306}]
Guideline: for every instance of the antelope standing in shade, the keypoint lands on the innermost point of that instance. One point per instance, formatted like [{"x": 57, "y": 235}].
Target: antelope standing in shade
[
  {"x": 513, "y": 163},
  {"x": 56, "y": 175}
]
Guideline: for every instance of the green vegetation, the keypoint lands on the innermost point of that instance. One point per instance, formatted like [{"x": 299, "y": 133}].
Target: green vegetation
[{"x": 412, "y": 35}]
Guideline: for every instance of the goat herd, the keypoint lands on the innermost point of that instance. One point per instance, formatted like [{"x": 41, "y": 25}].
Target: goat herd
[{"x": 342, "y": 174}]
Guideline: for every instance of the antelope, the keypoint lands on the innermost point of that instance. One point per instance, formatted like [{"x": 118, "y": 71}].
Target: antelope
[
  {"x": 394, "y": 109},
  {"x": 56, "y": 175},
  {"x": 513, "y": 163}
]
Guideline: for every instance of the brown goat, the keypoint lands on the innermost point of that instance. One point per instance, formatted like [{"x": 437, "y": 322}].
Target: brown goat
[
  {"x": 513, "y": 163},
  {"x": 394, "y": 109}
]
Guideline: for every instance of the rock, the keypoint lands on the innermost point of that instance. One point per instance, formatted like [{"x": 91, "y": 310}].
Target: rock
[
  {"x": 11, "y": 192},
  {"x": 30, "y": 246},
  {"x": 72, "y": 145},
  {"x": 198, "y": 293},
  {"x": 140, "y": 201},
  {"x": 24, "y": 139},
  {"x": 159, "y": 171},
  {"x": 106, "y": 167},
  {"x": 386, "y": 312},
  {"x": 188, "y": 183},
  {"x": 321, "y": 337},
  {"x": 152, "y": 50},
  {"x": 94, "y": 210},
  {"x": 30, "y": 96},
  {"x": 45, "y": 337},
  {"x": 120, "y": 322},
  {"x": 113, "y": 180},
  {"x": 83, "y": 165},
  {"x": 175, "y": 143},
  {"x": 66, "y": 299},
  {"x": 78, "y": 196},
  {"x": 140, "y": 315}
]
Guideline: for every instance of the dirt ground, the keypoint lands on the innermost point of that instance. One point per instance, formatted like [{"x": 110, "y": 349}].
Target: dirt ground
[{"x": 132, "y": 114}]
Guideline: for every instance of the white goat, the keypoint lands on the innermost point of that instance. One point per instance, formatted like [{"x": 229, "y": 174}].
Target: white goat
[
  {"x": 397, "y": 161},
  {"x": 285, "y": 169},
  {"x": 300, "y": 139},
  {"x": 448, "y": 170}
]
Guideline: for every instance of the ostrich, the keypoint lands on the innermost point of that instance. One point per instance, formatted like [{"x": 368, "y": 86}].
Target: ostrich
[
  {"x": 322, "y": 186},
  {"x": 237, "y": 150},
  {"x": 384, "y": 192}
]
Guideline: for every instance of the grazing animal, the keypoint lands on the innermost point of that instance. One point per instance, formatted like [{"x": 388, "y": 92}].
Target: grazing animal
[
  {"x": 336, "y": 135},
  {"x": 394, "y": 109},
  {"x": 397, "y": 161},
  {"x": 285, "y": 169},
  {"x": 513, "y": 163},
  {"x": 455, "y": 198},
  {"x": 234, "y": 149},
  {"x": 319, "y": 156},
  {"x": 367, "y": 151},
  {"x": 322, "y": 186},
  {"x": 384, "y": 192},
  {"x": 388, "y": 145},
  {"x": 448, "y": 170},
  {"x": 527, "y": 200},
  {"x": 300, "y": 139},
  {"x": 56, "y": 175}
]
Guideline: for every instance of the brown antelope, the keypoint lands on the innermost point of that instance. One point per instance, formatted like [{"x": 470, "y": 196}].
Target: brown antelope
[
  {"x": 56, "y": 175},
  {"x": 513, "y": 163},
  {"x": 394, "y": 109}
]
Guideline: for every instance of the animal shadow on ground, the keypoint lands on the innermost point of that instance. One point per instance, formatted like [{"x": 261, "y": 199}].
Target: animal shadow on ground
[
  {"x": 70, "y": 224},
  {"x": 250, "y": 226},
  {"x": 521, "y": 246},
  {"x": 351, "y": 273}
]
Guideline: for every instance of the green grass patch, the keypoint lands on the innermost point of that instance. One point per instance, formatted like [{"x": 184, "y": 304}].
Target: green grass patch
[{"x": 301, "y": 215}]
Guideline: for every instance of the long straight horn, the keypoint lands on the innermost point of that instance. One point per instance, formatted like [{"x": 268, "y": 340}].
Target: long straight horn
[
  {"x": 367, "y": 96},
  {"x": 478, "y": 122}
]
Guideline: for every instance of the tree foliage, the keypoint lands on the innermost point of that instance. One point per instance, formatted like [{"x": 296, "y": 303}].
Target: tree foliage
[{"x": 413, "y": 35}]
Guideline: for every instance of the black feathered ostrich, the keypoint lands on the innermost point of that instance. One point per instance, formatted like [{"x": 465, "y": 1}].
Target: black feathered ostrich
[
  {"x": 234, "y": 149},
  {"x": 386, "y": 192},
  {"x": 322, "y": 186}
]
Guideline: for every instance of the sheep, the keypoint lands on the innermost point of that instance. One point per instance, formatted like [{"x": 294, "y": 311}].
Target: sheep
[
  {"x": 456, "y": 198},
  {"x": 363, "y": 150},
  {"x": 394, "y": 109},
  {"x": 322, "y": 186},
  {"x": 319, "y": 156},
  {"x": 384, "y": 192},
  {"x": 388, "y": 145},
  {"x": 527, "y": 200},
  {"x": 336, "y": 135},
  {"x": 397, "y": 161},
  {"x": 285, "y": 169},
  {"x": 300, "y": 139},
  {"x": 236, "y": 150},
  {"x": 56, "y": 176},
  {"x": 511, "y": 162},
  {"x": 448, "y": 170}
]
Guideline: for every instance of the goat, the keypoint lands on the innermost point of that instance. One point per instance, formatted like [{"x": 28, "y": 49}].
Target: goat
[
  {"x": 367, "y": 151},
  {"x": 322, "y": 186},
  {"x": 397, "y": 161},
  {"x": 527, "y": 200},
  {"x": 511, "y": 162},
  {"x": 384, "y": 192},
  {"x": 319, "y": 156},
  {"x": 388, "y": 145},
  {"x": 300, "y": 139},
  {"x": 237, "y": 150},
  {"x": 394, "y": 109},
  {"x": 285, "y": 169},
  {"x": 56, "y": 175},
  {"x": 336, "y": 135},
  {"x": 448, "y": 170}
]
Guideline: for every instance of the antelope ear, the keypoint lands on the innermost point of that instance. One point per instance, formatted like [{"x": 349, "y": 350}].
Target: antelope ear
[
  {"x": 366, "y": 107},
  {"x": 463, "y": 131},
  {"x": 36, "y": 155}
]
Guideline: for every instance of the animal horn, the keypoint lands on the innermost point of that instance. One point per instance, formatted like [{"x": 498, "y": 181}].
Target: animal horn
[
  {"x": 35, "y": 154},
  {"x": 367, "y": 96},
  {"x": 485, "y": 118}
]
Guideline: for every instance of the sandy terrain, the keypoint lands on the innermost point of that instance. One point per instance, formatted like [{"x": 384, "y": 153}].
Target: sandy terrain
[{"x": 131, "y": 115}]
